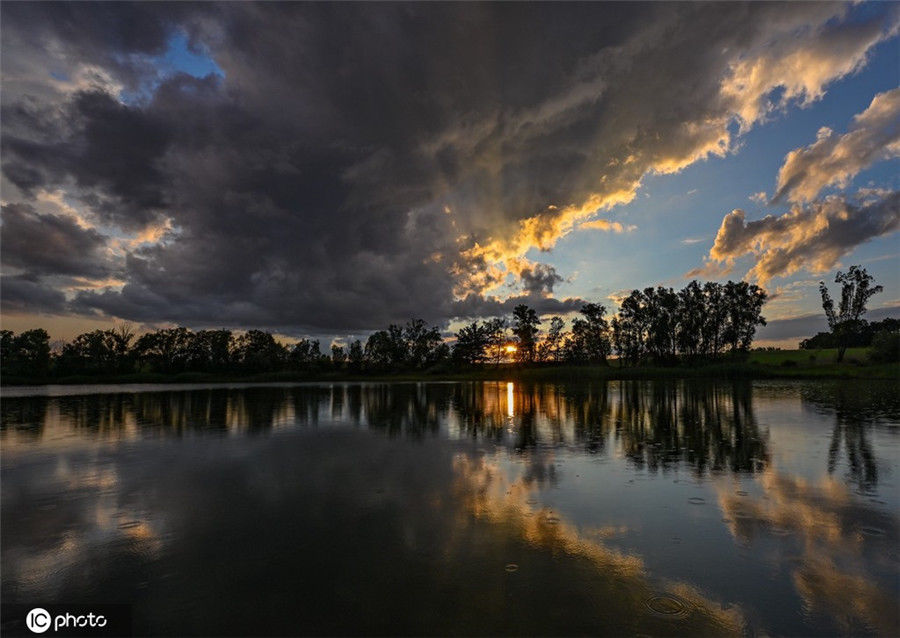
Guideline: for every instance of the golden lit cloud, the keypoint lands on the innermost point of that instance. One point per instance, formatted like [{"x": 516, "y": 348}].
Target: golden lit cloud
[
  {"x": 833, "y": 160},
  {"x": 800, "y": 66},
  {"x": 606, "y": 225},
  {"x": 810, "y": 238},
  {"x": 484, "y": 267}
]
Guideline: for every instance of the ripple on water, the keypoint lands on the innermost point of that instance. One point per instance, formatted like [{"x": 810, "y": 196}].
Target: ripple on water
[
  {"x": 696, "y": 500},
  {"x": 511, "y": 567},
  {"x": 741, "y": 493},
  {"x": 872, "y": 531},
  {"x": 668, "y": 605}
]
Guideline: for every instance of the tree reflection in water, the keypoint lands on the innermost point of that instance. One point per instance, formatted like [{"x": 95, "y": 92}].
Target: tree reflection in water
[
  {"x": 834, "y": 552},
  {"x": 707, "y": 426},
  {"x": 858, "y": 409}
]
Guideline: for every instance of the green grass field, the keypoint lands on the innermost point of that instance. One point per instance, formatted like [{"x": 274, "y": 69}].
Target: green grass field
[{"x": 810, "y": 358}]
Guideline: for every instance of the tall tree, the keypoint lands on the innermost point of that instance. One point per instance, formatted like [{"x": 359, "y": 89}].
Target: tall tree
[
  {"x": 257, "y": 351},
  {"x": 856, "y": 290},
  {"x": 743, "y": 305},
  {"x": 422, "y": 344},
  {"x": 525, "y": 327},
  {"x": 386, "y": 348},
  {"x": 93, "y": 353},
  {"x": 630, "y": 328},
  {"x": 589, "y": 341},
  {"x": 554, "y": 338},
  {"x": 661, "y": 311},
  {"x": 691, "y": 315},
  {"x": 495, "y": 334},
  {"x": 471, "y": 343},
  {"x": 26, "y": 354},
  {"x": 338, "y": 356},
  {"x": 121, "y": 336},
  {"x": 355, "y": 356},
  {"x": 716, "y": 315}
]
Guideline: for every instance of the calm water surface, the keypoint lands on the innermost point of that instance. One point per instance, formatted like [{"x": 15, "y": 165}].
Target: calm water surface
[{"x": 459, "y": 508}]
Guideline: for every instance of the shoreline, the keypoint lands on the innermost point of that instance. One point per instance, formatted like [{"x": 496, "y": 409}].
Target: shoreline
[{"x": 719, "y": 371}]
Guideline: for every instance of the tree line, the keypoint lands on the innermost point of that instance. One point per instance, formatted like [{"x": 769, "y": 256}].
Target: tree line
[{"x": 654, "y": 325}]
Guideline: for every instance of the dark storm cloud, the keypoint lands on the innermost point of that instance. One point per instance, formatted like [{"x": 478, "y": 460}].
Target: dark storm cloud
[
  {"x": 343, "y": 172},
  {"x": 116, "y": 38},
  {"x": 51, "y": 244},
  {"x": 111, "y": 151},
  {"x": 539, "y": 278},
  {"x": 21, "y": 294},
  {"x": 474, "y": 305}
]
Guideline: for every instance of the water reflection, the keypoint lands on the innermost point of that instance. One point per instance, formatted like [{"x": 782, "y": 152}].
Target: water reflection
[
  {"x": 489, "y": 494},
  {"x": 857, "y": 410},
  {"x": 618, "y": 508},
  {"x": 709, "y": 426},
  {"x": 831, "y": 544}
]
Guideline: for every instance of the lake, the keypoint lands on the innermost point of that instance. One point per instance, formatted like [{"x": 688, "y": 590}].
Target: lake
[{"x": 611, "y": 508}]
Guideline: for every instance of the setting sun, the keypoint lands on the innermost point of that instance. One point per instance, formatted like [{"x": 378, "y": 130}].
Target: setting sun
[{"x": 510, "y": 348}]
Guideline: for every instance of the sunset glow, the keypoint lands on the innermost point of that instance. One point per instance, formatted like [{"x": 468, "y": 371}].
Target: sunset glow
[
  {"x": 450, "y": 318},
  {"x": 172, "y": 188}
]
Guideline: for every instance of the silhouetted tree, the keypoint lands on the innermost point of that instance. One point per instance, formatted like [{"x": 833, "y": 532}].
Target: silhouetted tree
[
  {"x": 423, "y": 345},
  {"x": 716, "y": 315},
  {"x": 589, "y": 340},
  {"x": 471, "y": 344},
  {"x": 90, "y": 353},
  {"x": 305, "y": 355},
  {"x": 355, "y": 356},
  {"x": 661, "y": 312},
  {"x": 337, "y": 355},
  {"x": 26, "y": 355},
  {"x": 630, "y": 328},
  {"x": 525, "y": 327},
  {"x": 165, "y": 350},
  {"x": 691, "y": 316},
  {"x": 861, "y": 337},
  {"x": 386, "y": 349},
  {"x": 856, "y": 290},
  {"x": 495, "y": 333},
  {"x": 886, "y": 346},
  {"x": 743, "y": 303},
  {"x": 211, "y": 351},
  {"x": 551, "y": 347},
  {"x": 121, "y": 336},
  {"x": 257, "y": 351}
]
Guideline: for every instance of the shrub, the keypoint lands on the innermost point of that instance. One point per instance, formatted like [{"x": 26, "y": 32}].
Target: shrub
[{"x": 885, "y": 347}]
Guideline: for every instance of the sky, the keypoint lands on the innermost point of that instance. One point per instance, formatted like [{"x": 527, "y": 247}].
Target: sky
[{"x": 324, "y": 170}]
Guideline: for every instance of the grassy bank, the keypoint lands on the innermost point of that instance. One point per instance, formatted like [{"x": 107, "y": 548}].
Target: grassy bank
[{"x": 779, "y": 364}]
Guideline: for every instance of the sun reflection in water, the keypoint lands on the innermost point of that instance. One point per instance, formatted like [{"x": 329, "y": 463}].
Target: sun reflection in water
[{"x": 509, "y": 399}]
